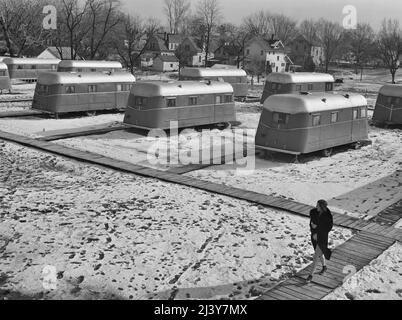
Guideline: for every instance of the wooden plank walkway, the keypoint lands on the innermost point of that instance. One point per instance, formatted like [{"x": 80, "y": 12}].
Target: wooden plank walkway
[
  {"x": 371, "y": 241},
  {"x": 390, "y": 216},
  {"x": 358, "y": 252},
  {"x": 22, "y": 113},
  {"x": 293, "y": 207},
  {"x": 84, "y": 131},
  {"x": 16, "y": 100}
]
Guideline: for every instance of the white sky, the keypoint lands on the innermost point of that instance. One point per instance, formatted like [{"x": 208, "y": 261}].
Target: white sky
[{"x": 372, "y": 11}]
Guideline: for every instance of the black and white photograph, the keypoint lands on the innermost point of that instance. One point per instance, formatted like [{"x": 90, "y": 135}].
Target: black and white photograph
[{"x": 229, "y": 152}]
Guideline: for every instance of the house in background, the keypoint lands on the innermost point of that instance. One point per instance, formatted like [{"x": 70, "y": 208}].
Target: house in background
[
  {"x": 191, "y": 54},
  {"x": 308, "y": 55},
  {"x": 62, "y": 53},
  {"x": 229, "y": 53},
  {"x": 160, "y": 44},
  {"x": 165, "y": 63},
  {"x": 270, "y": 54}
]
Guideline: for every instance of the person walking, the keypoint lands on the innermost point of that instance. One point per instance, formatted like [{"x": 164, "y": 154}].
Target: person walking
[{"x": 321, "y": 223}]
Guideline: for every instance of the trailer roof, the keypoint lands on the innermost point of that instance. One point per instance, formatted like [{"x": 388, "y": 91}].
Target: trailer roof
[
  {"x": 30, "y": 61},
  {"x": 3, "y": 66},
  {"x": 89, "y": 64},
  {"x": 179, "y": 88},
  {"x": 299, "y": 77},
  {"x": 208, "y": 72},
  {"x": 393, "y": 90},
  {"x": 312, "y": 102},
  {"x": 49, "y": 78}
]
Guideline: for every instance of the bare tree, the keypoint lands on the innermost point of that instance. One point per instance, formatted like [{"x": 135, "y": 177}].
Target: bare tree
[
  {"x": 209, "y": 12},
  {"x": 256, "y": 67},
  {"x": 258, "y": 24},
  {"x": 308, "y": 29},
  {"x": 131, "y": 38},
  {"x": 21, "y": 24},
  {"x": 361, "y": 44},
  {"x": 330, "y": 36},
  {"x": 234, "y": 38},
  {"x": 176, "y": 11},
  {"x": 72, "y": 26},
  {"x": 102, "y": 18},
  {"x": 389, "y": 45},
  {"x": 266, "y": 24},
  {"x": 282, "y": 27}
]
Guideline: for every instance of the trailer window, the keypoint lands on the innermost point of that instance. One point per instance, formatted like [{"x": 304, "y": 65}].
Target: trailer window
[
  {"x": 33, "y": 67},
  {"x": 218, "y": 100},
  {"x": 363, "y": 112},
  {"x": 355, "y": 114},
  {"x": 93, "y": 70},
  {"x": 118, "y": 87},
  {"x": 316, "y": 120},
  {"x": 328, "y": 86},
  {"x": 140, "y": 101},
  {"x": 273, "y": 86},
  {"x": 298, "y": 87},
  {"x": 192, "y": 101},
  {"x": 19, "y": 67},
  {"x": 171, "y": 102},
  {"x": 70, "y": 89},
  {"x": 2, "y": 73},
  {"x": 310, "y": 87},
  {"x": 126, "y": 87},
  {"x": 280, "y": 118},
  {"x": 228, "y": 98},
  {"x": 92, "y": 88},
  {"x": 334, "y": 117}
]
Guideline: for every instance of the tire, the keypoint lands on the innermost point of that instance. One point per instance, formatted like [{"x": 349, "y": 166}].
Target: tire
[{"x": 327, "y": 152}]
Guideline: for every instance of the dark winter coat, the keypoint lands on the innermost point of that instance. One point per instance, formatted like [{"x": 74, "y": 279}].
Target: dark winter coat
[{"x": 324, "y": 223}]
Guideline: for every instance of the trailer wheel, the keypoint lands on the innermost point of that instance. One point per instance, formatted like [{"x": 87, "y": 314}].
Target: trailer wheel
[
  {"x": 91, "y": 113},
  {"x": 327, "y": 152},
  {"x": 224, "y": 125},
  {"x": 357, "y": 146}
]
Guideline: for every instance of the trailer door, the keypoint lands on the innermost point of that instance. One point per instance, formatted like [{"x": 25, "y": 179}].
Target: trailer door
[
  {"x": 355, "y": 136},
  {"x": 219, "y": 113}
]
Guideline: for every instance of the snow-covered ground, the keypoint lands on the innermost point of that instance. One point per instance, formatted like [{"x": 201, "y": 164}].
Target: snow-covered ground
[
  {"x": 19, "y": 90},
  {"x": 37, "y": 127},
  {"x": 114, "y": 235},
  {"x": 357, "y": 182},
  {"x": 380, "y": 280}
]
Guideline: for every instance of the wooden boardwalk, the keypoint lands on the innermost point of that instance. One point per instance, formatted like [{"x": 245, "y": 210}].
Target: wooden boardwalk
[
  {"x": 16, "y": 100},
  {"x": 357, "y": 252},
  {"x": 390, "y": 216},
  {"x": 83, "y": 131},
  {"x": 22, "y": 113},
  {"x": 254, "y": 197},
  {"x": 371, "y": 241}
]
